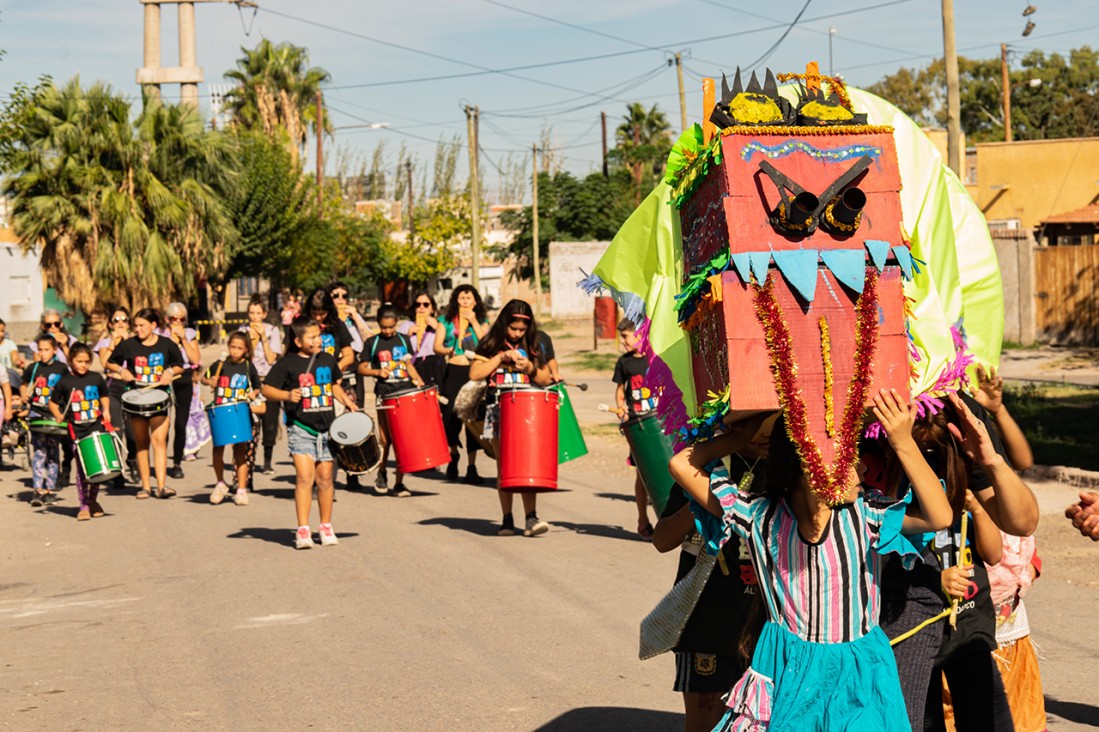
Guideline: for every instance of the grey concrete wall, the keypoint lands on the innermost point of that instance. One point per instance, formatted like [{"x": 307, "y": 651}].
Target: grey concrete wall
[
  {"x": 1016, "y": 257},
  {"x": 567, "y": 259}
]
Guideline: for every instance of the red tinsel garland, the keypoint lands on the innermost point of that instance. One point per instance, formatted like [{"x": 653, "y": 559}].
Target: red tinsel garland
[{"x": 828, "y": 482}]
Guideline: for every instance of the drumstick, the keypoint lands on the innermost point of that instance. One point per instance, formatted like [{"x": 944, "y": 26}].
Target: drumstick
[
  {"x": 153, "y": 386},
  {"x": 608, "y": 408},
  {"x": 443, "y": 400},
  {"x": 581, "y": 387}
]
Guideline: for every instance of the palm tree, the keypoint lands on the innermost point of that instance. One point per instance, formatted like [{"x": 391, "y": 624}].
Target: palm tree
[
  {"x": 276, "y": 92},
  {"x": 643, "y": 141}
]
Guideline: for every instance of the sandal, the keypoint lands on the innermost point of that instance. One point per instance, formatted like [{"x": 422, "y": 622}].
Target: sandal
[
  {"x": 142, "y": 494},
  {"x": 165, "y": 492}
]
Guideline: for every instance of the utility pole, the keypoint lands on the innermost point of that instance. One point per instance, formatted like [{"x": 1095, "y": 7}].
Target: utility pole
[
  {"x": 1006, "y": 84},
  {"x": 606, "y": 170},
  {"x": 682, "y": 92},
  {"x": 411, "y": 221},
  {"x": 473, "y": 117},
  {"x": 534, "y": 226},
  {"x": 953, "y": 96},
  {"x": 831, "y": 34},
  {"x": 320, "y": 154}
]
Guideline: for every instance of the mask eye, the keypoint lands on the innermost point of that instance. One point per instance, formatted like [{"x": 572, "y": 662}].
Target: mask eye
[
  {"x": 843, "y": 214},
  {"x": 797, "y": 215}
]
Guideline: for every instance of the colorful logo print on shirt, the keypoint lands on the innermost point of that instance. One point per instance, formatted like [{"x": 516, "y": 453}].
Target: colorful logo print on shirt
[
  {"x": 328, "y": 343},
  {"x": 232, "y": 389},
  {"x": 316, "y": 391},
  {"x": 43, "y": 388},
  {"x": 642, "y": 397},
  {"x": 148, "y": 370},
  {"x": 394, "y": 361},
  {"x": 84, "y": 406}
]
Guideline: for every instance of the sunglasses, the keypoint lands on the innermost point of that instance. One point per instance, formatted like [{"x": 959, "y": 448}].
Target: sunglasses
[
  {"x": 339, "y": 295},
  {"x": 52, "y": 324},
  {"x": 423, "y": 304},
  {"x": 122, "y": 319},
  {"x": 176, "y": 319}
]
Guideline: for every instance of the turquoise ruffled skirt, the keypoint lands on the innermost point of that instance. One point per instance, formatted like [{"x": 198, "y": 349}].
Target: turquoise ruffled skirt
[{"x": 798, "y": 686}]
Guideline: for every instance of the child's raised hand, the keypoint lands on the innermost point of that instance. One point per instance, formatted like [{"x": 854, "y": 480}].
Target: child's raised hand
[
  {"x": 971, "y": 434},
  {"x": 896, "y": 417},
  {"x": 295, "y": 396},
  {"x": 955, "y": 581},
  {"x": 990, "y": 393}
]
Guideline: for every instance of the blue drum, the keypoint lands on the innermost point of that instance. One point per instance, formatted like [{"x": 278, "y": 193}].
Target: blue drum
[{"x": 230, "y": 423}]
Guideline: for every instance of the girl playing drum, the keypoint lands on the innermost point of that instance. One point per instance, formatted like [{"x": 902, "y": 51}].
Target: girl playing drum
[
  {"x": 234, "y": 380},
  {"x": 508, "y": 355},
  {"x": 148, "y": 362}
]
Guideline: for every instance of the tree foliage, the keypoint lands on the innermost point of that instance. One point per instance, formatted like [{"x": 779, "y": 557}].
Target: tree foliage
[
  {"x": 642, "y": 143},
  {"x": 1064, "y": 104}
]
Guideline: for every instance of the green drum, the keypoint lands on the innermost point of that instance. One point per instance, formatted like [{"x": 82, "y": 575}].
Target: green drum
[
  {"x": 570, "y": 440},
  {"x": 651, "y": 450},
  {"x": 99, "y": 457}
]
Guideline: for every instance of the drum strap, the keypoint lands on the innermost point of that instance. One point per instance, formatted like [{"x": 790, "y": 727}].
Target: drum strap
[{"x": 401, "y": 336}]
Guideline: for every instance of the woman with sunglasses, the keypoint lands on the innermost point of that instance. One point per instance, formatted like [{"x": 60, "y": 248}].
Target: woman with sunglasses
[
  {"x": 266, "y": 340},
  {"x": 335, "y": 338},
  {"x": 118, "y": 330},
  {"x": 52, "y": 325},
  {"x": 191, "y": 430},
  {"x": 423, "y": 329},
  {"x": 465, "y": 324}
]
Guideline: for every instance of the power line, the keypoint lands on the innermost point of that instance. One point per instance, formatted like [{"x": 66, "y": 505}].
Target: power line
[
  {"x": 573, "y": 26},
  {"x": 767, "y": 54}
]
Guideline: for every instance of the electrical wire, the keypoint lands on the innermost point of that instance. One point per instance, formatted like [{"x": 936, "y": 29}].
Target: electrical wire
[{"x": 767, "y": 54}]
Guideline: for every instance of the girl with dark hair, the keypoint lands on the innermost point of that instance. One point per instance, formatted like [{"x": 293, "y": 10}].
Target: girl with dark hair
[
  {"x": 335, "y": 339},
  {"x": 508, "y": 354},
  {"x": 191, "y": 430},
  {"x": 463, "y": 327},
  {"x": 266, "y": 349},
  {"x": 234, "y": 379},
  {"x": 149, "y": 361},
  {"x": 118, "y": 331},
  {"x": 425, "y": 329},
  {"x": 821, "y": 661}
]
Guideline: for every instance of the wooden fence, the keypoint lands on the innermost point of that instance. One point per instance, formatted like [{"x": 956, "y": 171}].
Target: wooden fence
[{"x": 1066, "y": 295}]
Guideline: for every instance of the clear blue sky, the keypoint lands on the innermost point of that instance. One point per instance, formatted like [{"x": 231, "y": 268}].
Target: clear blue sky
[{"x": 102, "y": 40}]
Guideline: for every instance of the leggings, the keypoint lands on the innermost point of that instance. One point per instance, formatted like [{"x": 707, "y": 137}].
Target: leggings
[
  {"x": 183, "y": 391},
  {"x": 270, "y": 424},
  {"x": 85, "y": 491},
  {"x": 976, "y": 691},
  {"x": 454, "y": 378},
  {"x": 46, "y": 461}
]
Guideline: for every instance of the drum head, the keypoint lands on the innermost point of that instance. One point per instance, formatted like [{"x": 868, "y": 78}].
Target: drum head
[
  {"x": 351, "y": 428},
  {"x": 145, "y": 397}
]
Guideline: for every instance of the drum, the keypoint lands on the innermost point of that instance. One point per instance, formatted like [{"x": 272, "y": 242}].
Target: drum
[
  {"x": 146, "y": 402},
  {"x": 48, "y": 427},
  {"x": 416, "y": 429},
  {"x": 651, "y": 450},
  {"x": 354, "y": 444},
  {"x": 99, "y": 458},
  {"x": 570, "y": 440},
  {"x": 528, "y": 439},
  {"x": 230, "y": 423}
]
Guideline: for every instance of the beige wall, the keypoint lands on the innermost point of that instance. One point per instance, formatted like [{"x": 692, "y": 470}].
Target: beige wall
[{"x": 1043, "y": 178}]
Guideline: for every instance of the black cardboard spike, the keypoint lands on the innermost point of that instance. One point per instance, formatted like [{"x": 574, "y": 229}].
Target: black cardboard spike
[
  {"x": 726, "y": 95},
  {"x": 738, "y": 87},
  {"x": 770, "y": 88},
  {"x": 753, "y": 85}
]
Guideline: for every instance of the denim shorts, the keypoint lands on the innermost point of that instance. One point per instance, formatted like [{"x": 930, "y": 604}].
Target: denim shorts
[{"x": 303, "y": 443}]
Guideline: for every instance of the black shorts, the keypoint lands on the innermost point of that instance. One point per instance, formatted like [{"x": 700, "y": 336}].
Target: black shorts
[{"x": 704, "y": 673}]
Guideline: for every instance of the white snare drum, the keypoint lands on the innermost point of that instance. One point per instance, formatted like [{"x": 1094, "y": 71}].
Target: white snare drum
[
  {"x": 353, "y": 443},
  {"x": 146, "y": 402}
]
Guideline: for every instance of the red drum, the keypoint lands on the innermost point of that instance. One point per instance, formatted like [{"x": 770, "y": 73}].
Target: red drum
[
  {"x": 528, "y": 440},
  {"x": 416, "y": 428}
]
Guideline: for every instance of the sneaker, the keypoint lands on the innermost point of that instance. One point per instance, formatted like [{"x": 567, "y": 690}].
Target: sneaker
[
  {"x": 50, "y": 498},
  {"x": 400, "y": 491},
  {"x": 303, "y": 539},
  {"x": 328, "y": 535},
  {"x": 473, "y": 477},
  {"x": 381, "y": 483},
  {"x": 452, "y": 470},
  {"x": 507, "y": 526},
  {"x": 353, "y": 483},
  {"x": 267, "y": 469},
  {"x": 37, "y": 498},
  {"x": 535, "y": 526},
  {"x": 96, "y": 509},
  {"x": 219, "y": 493},
  {"x": 175, "y": 472},
  {"x": 240, "y": 497},
  {"x": 84, "y": 514}
]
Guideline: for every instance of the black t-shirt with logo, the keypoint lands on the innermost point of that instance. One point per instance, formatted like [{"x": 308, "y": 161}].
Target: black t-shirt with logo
[
  {"x": 235, "y": 382},
  {"x": 396, "y": 352},
  {"x": 630, "y": 372},
  {"x": 41, "y": 379},
  {"x": 334, "y": 338},
  {"x": 81, "y": 401},
  {"x": 317, "y": 408},
  {"x": 976, "y": 623},
  {"x": 147, "y": 363},
  {"x": 545, "y": 346}
]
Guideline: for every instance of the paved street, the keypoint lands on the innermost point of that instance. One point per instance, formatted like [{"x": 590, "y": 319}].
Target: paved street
[{"x": 178, "y": 614}]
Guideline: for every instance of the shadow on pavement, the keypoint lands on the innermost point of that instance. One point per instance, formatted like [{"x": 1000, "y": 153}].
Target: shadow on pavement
[
  {"x": 479, "y": 526},
  {"x": 626, "y": 497},
  {"x": 279, "y": 536},
  {"x": 610, "y": 719},
  {"x": 607, "y": 532},
  {"x": 1073, "y": 711}
]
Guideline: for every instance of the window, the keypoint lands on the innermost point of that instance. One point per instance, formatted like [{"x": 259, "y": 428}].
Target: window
[
  {"x": 247, "y": 286},
  {"x": 19, "y": 290}
]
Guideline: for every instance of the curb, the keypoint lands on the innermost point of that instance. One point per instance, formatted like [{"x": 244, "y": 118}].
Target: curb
[{"x": 1076, "y": 477}]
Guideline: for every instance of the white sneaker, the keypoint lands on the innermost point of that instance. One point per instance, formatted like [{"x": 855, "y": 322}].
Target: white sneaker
[
  {"x": 240, "y": 497},
  {"x": 304, "y": 538},
  {"x": 328, "y": 535},
  {"x": 535, "y": 526},
  {"x": 219, "y": 493}
]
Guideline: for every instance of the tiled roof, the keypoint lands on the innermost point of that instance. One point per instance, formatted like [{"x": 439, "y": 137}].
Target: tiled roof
[{"x": 1085, "y": 215}]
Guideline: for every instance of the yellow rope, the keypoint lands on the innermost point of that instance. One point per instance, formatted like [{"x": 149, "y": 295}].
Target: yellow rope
[{"x": 908, "y": 634}]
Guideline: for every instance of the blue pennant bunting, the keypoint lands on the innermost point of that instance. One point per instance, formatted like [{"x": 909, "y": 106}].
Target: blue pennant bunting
[
  {"x": 879, "y": 252},
  {"x": 848, "y": 266},
  {"x": 760, "y": 262},
  {"x": 743, "y": 266},
  {"x": 799, "y": 267},
  {"x": 904, "y": 259}
]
